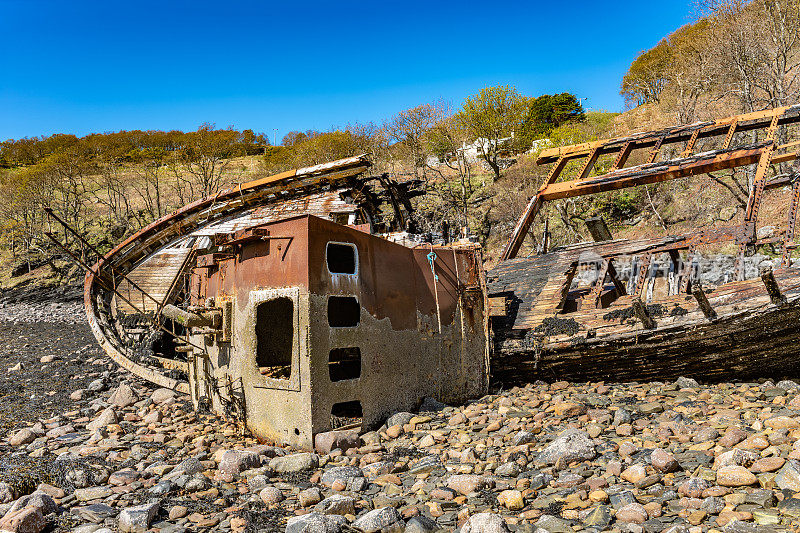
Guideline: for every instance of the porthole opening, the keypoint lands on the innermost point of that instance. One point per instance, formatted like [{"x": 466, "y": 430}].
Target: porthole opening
[
  {"x": 343, "y": 311},
  {"x": 275, "y": 337},
  {"x": 344, "y": 363},
  {"x": 341, "y": 258},
  {"x": 345, "y": 414}
]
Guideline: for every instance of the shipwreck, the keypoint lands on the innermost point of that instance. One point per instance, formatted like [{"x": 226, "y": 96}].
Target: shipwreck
[{"x": 293, "y": 305}]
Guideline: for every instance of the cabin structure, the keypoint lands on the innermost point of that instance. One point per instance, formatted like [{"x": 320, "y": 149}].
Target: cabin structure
[{"x": 324, "y": 326}]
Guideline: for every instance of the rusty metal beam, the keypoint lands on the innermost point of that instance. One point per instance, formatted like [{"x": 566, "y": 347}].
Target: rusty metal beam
[
  {"x": 737, "y": 123},
  {"x": 641, "y": 313},
  {"x": 702, "y": 302},
  {"x": 622, "y": 156},
  {"x": 774, "y": 291},
  {"x": 654, "y": 173}
]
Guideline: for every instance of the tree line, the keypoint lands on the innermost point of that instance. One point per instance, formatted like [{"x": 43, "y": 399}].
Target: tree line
[
  {"x": 110, "y": 185},
  {"x": 739, "y": 56}
]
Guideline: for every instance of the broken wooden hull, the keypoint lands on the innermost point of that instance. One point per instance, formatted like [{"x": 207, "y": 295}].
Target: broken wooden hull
[{"x": 750, "y": 337}]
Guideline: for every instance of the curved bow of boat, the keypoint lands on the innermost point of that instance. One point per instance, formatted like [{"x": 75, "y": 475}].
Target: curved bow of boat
[{"x": 119, "y": 262}]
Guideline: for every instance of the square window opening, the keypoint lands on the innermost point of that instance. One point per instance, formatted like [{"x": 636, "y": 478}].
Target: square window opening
[
  {"x": 343, "y": 311},
  {"x": 346, "y": 414},
  {"x": 341, "y": 258},
  {"x": 344, "y": 363},
  {"x": 275, "y": 337}
]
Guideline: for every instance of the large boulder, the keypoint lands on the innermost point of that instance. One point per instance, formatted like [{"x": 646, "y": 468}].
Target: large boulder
[
  {"x": 315, "y": 523},
  {"x": 485, "y": 523},
  {"x": 234, "y": 462},
  {"x": 296, "y": 462},
  {"x": 25, "y": 520},
  {"x": 137, "y": 519},
  {"x": 123, "y": 396},
  {"x": 573, "y": 445},
  {"x": 385, "y": 520}
]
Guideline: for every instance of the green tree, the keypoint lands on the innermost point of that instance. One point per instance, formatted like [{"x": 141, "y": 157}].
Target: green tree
[
  {"x": 491, "y": 115},
  {"x": 547, "y": 112}
]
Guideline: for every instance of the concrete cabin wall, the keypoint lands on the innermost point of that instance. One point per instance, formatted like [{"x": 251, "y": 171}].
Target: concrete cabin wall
[{"x": 404, "y": 356}]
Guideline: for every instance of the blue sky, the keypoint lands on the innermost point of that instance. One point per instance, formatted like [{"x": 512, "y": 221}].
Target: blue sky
[{"x": 82, "y": 67}]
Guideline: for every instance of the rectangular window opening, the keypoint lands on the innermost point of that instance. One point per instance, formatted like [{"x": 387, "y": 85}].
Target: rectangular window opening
[
  {"x": 345, "y": 414},
  {"x": 344, "y": 363},
  {"x": 343, "y": 311},
  {"x": 341, "y": 258},
  {"x": 275, "y": 337}
]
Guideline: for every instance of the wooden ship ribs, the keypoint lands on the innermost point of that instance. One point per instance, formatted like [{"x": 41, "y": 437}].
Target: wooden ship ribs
[{"x": 662, "y": 323}]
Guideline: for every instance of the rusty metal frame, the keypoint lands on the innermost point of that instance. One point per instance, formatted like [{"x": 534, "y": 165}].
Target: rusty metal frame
[{"x": 765, "y": 153}]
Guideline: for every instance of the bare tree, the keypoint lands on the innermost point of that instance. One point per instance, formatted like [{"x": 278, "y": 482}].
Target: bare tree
[
  {"x": 199, "y": 164},
  {"x": 410, "y": 127}
]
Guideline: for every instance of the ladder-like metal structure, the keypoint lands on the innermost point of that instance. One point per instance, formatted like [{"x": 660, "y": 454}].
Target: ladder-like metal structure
[{"x": 764, "y": 152}]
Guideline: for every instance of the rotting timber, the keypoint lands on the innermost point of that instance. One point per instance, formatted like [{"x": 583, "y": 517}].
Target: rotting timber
[
  {"x": 551, "y": 321},
  {"x": 276, "y": 303}
]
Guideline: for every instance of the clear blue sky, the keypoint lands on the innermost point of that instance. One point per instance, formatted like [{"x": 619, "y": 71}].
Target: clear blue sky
[{"x": 81, "y": 67}]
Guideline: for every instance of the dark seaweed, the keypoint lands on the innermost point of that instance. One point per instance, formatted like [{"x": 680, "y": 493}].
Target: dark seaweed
[
  {"x": 654, "y": 310},
  {"x": 558, "y": 326}
]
